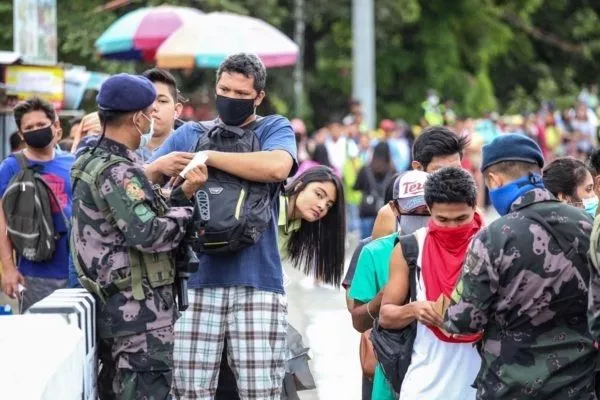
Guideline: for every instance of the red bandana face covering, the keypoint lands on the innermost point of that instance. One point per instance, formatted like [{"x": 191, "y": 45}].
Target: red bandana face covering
[{"x": 444, "y": 253}]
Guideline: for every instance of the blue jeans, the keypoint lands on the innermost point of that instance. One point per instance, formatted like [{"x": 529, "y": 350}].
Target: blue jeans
[
  {"x": 366, "y": 226},
  {"x": 352, "y": 218}
]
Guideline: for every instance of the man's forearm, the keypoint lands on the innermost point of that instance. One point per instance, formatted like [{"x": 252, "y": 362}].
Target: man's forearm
[
  {"x": 6, "y": 254},
  {"x": 363, "y": 315},
  {"x": 260, "y": 166},
  {"x": 396, "y": 317}
]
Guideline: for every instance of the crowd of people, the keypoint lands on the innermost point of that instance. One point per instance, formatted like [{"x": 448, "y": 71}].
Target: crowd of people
[
  {"x": 369, "y": 160},
  {"x": 450, "y": 306}
]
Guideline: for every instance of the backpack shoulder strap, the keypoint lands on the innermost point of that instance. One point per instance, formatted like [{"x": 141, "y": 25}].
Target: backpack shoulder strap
[
  {"x": 240, "y": 130},
  {"x": 89, "y": 173},
  {"x": 206, "y": 126},
  {"x": 23, "y": 163},
  {"x": 410, "y": 249},
  {"x": 256, "y": 146},
  {"x": 256, "y": 123},
  {"x": 211, "y": 126},
  {"x": 20, "y": 156},
  {"x": 51, "y": 193}
]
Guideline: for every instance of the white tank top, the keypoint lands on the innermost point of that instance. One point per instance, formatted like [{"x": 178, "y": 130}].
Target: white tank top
[{"x": 438, "y": 370}]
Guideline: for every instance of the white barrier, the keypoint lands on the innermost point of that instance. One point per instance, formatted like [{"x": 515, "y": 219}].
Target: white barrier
[
  {"x": 42, "y": 358},
  {"x": 78, "y": 307}
]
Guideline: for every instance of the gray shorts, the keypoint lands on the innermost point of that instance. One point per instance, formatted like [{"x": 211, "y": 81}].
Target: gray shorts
[{"x": 38, "y": 288}]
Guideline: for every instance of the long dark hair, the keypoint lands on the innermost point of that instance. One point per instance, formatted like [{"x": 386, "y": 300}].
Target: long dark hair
[
  {"x": 318, "y": 247},
  {"x": 381, "y": 162},
  {"x": 321, "y": 155}
]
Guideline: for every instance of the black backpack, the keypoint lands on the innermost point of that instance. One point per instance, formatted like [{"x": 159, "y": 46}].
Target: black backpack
[
  {"x": 393, "y": 347},
  {"x": 236, "y": 211},
  {"x": 27, "y": 208}
]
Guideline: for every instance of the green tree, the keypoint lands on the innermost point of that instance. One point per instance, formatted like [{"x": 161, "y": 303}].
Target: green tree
[{"x": 506, "y": 55}]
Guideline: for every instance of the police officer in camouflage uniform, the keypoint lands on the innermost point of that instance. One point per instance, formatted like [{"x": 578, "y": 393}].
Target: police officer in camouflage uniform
[
  {"x": 525, "y": 285},
  {"x": 123, "y": 233}
]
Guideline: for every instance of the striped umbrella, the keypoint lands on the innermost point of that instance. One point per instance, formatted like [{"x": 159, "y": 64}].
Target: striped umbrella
[
  {"x": 215, "y": 36},
  {"x": 138, "y": 34}
]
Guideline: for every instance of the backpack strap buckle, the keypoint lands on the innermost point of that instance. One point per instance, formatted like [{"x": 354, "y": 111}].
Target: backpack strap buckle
[
  {"x": 116, "y": 286},
  {"x": 236, "y": 130}
]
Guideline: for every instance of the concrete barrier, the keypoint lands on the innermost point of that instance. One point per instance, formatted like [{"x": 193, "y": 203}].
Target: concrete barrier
[
  {"x": 42, "y": 358},
  {"x": 78, "y": 308}
]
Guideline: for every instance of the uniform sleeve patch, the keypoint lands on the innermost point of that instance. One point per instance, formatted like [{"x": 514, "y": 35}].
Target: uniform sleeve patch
[
  {"x": 457, "y": 292},
  {"x": 143, "y": 212},
  {"x": 134, "y": 189}
]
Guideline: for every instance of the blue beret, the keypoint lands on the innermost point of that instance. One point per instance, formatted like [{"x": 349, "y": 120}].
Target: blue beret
[
  {"x": 511, "y": 147},
  {"x": 125, "y": 92}
]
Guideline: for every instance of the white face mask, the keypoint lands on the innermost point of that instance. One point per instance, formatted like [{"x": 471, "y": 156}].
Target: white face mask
[{"x": 146, "y": 137}]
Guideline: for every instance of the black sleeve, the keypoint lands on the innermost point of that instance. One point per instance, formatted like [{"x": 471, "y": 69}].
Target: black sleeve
[
  {"x": 352, "y": 267},
  {"x": 361, "y": 183}
]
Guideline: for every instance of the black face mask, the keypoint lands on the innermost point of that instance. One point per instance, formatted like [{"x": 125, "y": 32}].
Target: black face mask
[
  {"x": 39, "y": 138},
  {"x": 234, "y": 111}
]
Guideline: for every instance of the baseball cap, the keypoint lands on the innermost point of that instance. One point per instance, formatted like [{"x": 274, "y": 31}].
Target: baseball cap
[{"x": 409, "y": 189}]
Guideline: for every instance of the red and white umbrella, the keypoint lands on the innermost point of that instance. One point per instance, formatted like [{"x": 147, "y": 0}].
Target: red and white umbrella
[
  {"x": 208, "y": 41},
  {"x": 138, "y": 34}
]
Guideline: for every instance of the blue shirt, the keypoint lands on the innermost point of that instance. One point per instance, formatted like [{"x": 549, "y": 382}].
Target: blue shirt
[
  {"x": 257, "y": 266},
  {"x": 56, "y": 173}
]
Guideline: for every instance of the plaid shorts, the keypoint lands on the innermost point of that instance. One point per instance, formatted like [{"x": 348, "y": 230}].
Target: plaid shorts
[{"x": 253, "y": 322}]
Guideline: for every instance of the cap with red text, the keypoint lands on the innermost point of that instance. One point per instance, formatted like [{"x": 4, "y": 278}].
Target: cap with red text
[{"x": 409, "y": 189}]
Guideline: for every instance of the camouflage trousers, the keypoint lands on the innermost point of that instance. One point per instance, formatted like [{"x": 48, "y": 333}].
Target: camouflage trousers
[{"x": 137, "y": 366}]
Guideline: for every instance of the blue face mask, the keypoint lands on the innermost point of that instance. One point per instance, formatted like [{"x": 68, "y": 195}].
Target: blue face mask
[
  {"x": 504, "y": 196},
  {"x": 591, "y": 205}
]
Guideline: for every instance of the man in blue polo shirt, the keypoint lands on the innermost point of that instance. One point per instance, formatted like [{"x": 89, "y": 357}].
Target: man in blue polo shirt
[
  {"x": 235, "y": 297},
  {"x": 40, "y": 130}
]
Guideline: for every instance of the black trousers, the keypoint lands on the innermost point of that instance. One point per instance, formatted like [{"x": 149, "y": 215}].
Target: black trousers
[{"x": 227, "y": 386}]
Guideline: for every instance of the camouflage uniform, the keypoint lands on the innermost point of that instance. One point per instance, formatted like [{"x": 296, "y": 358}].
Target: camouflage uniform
[
  {"x": 136, "y": 333},
  {"x": 530, "y": 299}
]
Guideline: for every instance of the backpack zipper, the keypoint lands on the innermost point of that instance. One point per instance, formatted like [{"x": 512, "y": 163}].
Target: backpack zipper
[{"x": 240, "y": 203}]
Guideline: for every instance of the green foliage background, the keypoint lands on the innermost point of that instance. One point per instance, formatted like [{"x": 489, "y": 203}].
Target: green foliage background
[{"x": 504, "y": 55}]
